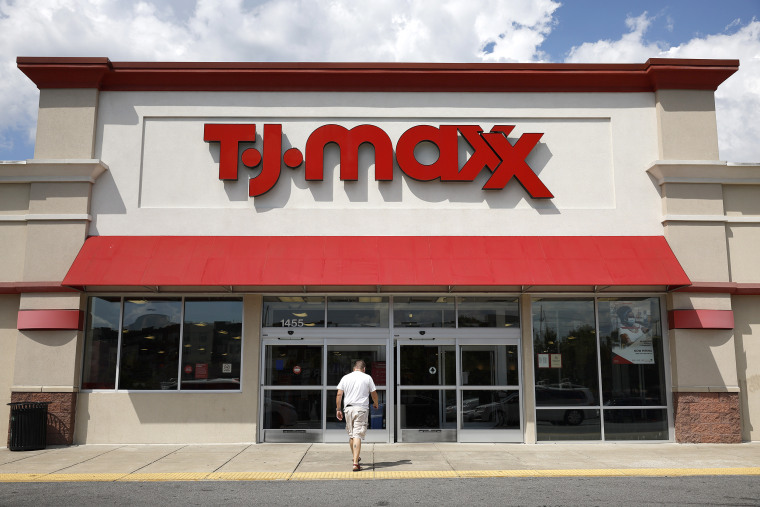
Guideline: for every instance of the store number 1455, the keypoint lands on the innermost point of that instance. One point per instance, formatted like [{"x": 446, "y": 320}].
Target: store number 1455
[{"x": 291, "y": 322}]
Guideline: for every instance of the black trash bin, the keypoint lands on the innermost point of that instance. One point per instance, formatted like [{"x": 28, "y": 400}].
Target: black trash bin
[{"x": 28, "y": 427}]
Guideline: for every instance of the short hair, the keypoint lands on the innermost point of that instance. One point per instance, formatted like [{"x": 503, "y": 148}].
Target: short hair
[{"x": 359, "y": 365}]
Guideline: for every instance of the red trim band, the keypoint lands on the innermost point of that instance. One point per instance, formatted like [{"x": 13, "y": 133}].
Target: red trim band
[
  {"x": 26, "y": 287},
  {"x": 34, "y": 320},
  {"x": 734, "y": 288},
  {"x": 700, "y": 319},
  {"x": 101, "y": 73}
]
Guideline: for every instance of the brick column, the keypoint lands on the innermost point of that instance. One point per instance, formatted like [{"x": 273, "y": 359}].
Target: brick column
[{"x": 707, "y": 418}]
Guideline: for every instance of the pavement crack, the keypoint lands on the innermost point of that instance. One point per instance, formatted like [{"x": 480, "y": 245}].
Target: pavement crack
[
  {"x": 233, "y": 457},
  {"x": 158, "y": 459},
  {"x": 299, "y": 462},
  {"x": 86, "y": 460}
]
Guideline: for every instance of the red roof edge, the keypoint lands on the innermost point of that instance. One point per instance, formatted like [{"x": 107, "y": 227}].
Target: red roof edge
[{"x": 101, "y": 73}]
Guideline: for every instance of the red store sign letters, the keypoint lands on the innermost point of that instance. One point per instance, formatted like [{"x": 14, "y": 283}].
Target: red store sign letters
[{"x": 492, "y": 150}]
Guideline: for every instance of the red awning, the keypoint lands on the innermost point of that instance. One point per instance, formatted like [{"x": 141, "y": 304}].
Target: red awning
[{"x": 375, "y": 261}]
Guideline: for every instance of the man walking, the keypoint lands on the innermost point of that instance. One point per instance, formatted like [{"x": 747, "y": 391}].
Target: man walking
[{"x": 357, "y": 387}]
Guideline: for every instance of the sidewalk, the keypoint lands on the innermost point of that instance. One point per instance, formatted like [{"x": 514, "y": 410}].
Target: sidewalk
[{"x": 380, "y": 461}]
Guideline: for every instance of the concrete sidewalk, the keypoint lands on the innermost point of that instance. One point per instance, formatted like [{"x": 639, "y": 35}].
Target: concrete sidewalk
[{"x": 380, "y": 461}]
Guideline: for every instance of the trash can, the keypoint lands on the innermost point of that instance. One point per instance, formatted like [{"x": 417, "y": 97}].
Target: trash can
[{"x": 28, "y": 426}]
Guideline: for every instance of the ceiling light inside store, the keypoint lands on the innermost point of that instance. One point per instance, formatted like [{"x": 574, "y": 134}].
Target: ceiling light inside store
[
  {"x": 300, "y": 314},
  {"x": 150, "y": 337}
]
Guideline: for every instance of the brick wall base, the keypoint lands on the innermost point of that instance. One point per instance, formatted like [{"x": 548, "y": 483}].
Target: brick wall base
[
  {"x": 61, "y": 411},
  {"x": 702, "y": 418}
]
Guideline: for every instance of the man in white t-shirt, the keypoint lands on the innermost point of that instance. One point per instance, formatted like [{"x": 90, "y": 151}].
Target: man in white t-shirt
[{"x": 357, "y": 387}]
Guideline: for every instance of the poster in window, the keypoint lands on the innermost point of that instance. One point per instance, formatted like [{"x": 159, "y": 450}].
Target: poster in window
[{"x": 633, "y": 344}]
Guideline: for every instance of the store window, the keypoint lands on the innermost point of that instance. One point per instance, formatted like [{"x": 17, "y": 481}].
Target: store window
[
  {"x": 424, "y": 311},
  {"x": 488, "y": 312},
  {"x": 606, "y": 382},
  {"x": 152, "y": 346},
  {"x": 101, "y": 348},
  {"x": 294, "y": 311},
  {"x": 357, "y": 311}
]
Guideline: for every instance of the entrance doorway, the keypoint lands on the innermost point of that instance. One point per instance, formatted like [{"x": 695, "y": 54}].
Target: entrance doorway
[
  {"x": 458, "y": 390},
  {"x": 447, "y": 369}
]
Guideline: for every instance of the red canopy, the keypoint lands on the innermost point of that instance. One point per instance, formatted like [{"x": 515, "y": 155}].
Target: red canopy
[{"x": 381, "y": 261}]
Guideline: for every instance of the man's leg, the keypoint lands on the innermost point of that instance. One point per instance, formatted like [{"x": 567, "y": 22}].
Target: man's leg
[{"x": 356, "y": 448}]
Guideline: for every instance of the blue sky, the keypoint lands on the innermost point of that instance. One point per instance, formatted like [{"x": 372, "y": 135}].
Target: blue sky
[{"x": 598, "y": 31}]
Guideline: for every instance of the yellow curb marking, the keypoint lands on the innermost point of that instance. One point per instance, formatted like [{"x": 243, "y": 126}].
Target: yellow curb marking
[{"x": 369, "y": 474}]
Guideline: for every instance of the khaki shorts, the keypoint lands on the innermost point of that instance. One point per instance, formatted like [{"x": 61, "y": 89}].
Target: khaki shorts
[{"x": 356, "y": 421}]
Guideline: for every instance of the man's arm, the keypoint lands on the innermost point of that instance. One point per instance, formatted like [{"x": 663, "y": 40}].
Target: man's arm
[
  {"x": 374, "y": 398},
  {"x": 338, "y": 400}
]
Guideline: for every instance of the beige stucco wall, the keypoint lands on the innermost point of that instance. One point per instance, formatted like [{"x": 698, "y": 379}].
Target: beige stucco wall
[
  {"x": 686, "y": 125},
  {"x": 703, "y": 360},
  {"x": 701, "y": 249},
  {"x": 9, "y": 305},
  {"x": 161, "y": 417},
  {"x": 66, "y": 123},
  {"x": 747, "y": 331}
]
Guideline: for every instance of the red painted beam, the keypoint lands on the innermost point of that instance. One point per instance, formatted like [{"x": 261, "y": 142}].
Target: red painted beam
[
  {"x": 34, "y": 320},
  {"x": 701, "y": 319}
]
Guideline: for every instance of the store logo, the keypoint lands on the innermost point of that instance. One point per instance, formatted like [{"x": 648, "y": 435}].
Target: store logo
[{"x": 491, "y": 150}]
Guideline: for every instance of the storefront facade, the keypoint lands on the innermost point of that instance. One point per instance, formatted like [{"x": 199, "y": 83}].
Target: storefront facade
[{"x": 521, "y": 253}]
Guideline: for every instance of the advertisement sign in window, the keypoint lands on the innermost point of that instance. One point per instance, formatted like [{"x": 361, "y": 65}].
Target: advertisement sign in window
[{"x": 634, "y": 337}]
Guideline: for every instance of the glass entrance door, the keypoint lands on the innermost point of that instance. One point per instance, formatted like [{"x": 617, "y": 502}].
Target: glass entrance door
[
  {"x": 426, "y": 382},
  {"x": 299, "y": 387},
  {"x": 489, "y": 392},
  {"x": 458, "y": 390}
]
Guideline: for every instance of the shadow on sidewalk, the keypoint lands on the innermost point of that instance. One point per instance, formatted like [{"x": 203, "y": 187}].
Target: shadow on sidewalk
[{"x": 387, "y": 464}]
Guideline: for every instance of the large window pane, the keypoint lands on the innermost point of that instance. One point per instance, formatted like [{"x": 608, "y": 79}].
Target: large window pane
[
  {"x": 568, "y": 424},
  {"x": 428, "y": 365},
  {"x": 489, "y": 365},
  {"x": 292, "y": 410},
  {"x": 341, "y": 359},
  {"x": 421, "y": 311},
  {"x": 633, "y": 369},
  {"x": 636, "y": 424},
  {"x": 429, "y": 409},
  {"x": 490, "y": 409},
  {"x": 150, "y": 344},
  {"x": 293, "y": 365},
  {"x": 488, "y": 312},
  {"x": 294, "y": 311},
  {"x": 357, "y": 311},
  {"x": 564, "y": 346},
  {"x": 211, "y": 343},
  {"x": 101, "y": 345}
]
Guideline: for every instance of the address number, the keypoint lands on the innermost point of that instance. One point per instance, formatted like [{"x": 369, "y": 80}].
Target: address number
[{"x": 291, "y": 322}]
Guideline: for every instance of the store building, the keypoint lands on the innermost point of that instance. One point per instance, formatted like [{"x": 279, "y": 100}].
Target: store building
[{"x": 520, "y": 252}]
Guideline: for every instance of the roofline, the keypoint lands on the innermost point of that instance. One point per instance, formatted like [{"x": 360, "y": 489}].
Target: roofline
[{"x": 103, "y": 74}]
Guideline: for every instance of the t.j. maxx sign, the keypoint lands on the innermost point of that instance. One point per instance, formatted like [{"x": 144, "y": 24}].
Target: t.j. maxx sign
[{"x": 491, "y": 150}]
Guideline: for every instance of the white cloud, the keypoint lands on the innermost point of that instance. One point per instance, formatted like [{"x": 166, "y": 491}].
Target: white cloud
[
  {"x": 258, "y": 30},
  {"x": 737, "y": 100}
]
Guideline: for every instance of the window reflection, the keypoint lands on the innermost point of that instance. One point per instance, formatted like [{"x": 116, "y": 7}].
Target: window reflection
[
  {"x": 489, "y": 365},
  {"x": 421, "y": 311},
  {"x": 211, "y": 343},
  {"x": 638, "y": 424},
  {"x": 564, "y": 345},
  {"x": 488, "y": 312},
  {"x": 150, "y": 344},
  {"x": 101, "y": 343},
  {"x": 359, "y": 311},
  {"x": 294, "y": 311},
  {"x": 292, "y": 409},
  {"x": 428, "y": 365},
  {"x": 568, "y": 424},
  {"x": 293, "y": 365},
  {"x": 428, "y": 409},
  {"x": 490, "y": 409}
]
